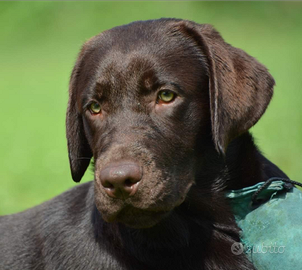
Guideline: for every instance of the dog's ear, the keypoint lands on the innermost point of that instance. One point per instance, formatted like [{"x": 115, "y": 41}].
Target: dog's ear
[
  {"x": 240, "y": 87},
  {"x": 78, "y": 148}
]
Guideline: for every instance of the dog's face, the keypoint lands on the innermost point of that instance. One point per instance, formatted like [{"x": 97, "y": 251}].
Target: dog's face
[{"x": 144, "y": 99}]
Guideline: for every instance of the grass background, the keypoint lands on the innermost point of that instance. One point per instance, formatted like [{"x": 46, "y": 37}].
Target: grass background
[{"x": 39, "y": 44}]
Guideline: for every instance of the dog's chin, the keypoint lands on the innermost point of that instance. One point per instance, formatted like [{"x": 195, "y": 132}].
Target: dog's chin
[{"x": 137, "y": 218}]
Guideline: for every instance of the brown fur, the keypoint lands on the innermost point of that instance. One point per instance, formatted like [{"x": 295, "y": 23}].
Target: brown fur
[{"x": 189, "y": 152}]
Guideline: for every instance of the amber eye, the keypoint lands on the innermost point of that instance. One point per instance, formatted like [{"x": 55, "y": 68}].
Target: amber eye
[
  {"x": 166, "y": 96},
  {"x": 95, "y": 108}
]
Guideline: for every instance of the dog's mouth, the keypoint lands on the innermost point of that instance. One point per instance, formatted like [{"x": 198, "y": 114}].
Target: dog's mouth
[
  {"x": 135, "y": 217},
  {"x": 136, "y": 214}
]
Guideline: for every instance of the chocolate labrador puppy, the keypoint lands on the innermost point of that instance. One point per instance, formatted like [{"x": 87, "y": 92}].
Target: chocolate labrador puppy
[{"x": 163, "y": 107}]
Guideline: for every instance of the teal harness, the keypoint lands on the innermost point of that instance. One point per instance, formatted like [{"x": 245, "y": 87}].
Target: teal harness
[{"x": 271, "y": 225}]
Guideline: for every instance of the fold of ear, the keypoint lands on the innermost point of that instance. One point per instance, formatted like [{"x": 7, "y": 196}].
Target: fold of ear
[
  {"x": 240, "y": 87},
  {"x": 78, "y": 148}
]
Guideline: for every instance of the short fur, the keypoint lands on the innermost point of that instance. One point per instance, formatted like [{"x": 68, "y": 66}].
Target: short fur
[{"x": 190, "y": 151}]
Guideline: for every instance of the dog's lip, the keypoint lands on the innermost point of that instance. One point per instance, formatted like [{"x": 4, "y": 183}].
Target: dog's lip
[{"x": 138, "y": 212}]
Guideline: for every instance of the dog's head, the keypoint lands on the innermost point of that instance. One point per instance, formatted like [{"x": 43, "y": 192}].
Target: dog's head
[{"x": 145, "y": 100}]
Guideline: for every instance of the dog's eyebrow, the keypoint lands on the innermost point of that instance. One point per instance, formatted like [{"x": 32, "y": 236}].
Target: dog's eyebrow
[
  {"x": 94, "y": 93},
  {"x": 151, "y": 82},
  {"x": 162, "y": 85},
  {"x": 178, "y": 87},
  {"x": 99, "y": 88}
]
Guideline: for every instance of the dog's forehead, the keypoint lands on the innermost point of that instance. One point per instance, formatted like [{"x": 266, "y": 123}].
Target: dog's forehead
[
  {"x": 139, "y": 36},
  {"x": 139, "y": 40},
  {"x": 118, "y": 68},
  {"x": 141, "y": 51}
]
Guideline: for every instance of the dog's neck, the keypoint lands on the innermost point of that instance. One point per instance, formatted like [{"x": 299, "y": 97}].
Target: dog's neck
[
  {"x": 246, "y": 165},
  {"x": 243, "y": 165},
  {"x": 190, "y": 231}
]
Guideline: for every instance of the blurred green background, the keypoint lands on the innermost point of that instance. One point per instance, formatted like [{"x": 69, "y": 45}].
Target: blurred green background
[{"x": 39, "y": 45}]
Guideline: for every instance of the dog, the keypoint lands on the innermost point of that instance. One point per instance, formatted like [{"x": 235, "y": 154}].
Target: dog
[{"x": 163, "y": 107}]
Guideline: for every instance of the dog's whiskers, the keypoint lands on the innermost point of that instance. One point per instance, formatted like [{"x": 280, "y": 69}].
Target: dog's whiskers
[{"x": 78, "y": 158}]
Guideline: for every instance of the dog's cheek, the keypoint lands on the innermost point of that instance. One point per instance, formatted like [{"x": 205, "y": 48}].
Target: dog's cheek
[
  {"x": 172, "y": 186},
  {"x": 191, "y": 125}
]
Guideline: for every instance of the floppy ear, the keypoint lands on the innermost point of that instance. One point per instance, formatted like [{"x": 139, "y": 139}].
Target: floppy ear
[
  {"x": 240, "y": 87},
  {"x": 78, "y": 148}
]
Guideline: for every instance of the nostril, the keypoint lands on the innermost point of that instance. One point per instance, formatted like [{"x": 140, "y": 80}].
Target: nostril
[
  {"x": 130, "y": 182},
  {"x": 107, "y": 184}
]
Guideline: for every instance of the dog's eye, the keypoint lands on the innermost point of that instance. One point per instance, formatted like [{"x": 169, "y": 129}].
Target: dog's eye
[
  {"x": 95, "y": 108},
  {"x": 166, "y": 96}
]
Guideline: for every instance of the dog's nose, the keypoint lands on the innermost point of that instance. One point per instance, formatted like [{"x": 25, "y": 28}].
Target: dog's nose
[{"x": 120, "y": 180}]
